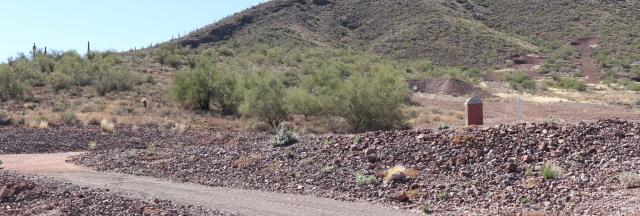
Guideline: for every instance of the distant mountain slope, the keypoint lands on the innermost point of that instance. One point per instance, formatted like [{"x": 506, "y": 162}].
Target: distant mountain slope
[{"x": 452, "y": 33}]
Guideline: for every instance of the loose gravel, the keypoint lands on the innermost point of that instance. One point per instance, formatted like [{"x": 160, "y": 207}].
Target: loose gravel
[
  {"x": 493, "y": 170},
  {"x": 21, "y": 195}
]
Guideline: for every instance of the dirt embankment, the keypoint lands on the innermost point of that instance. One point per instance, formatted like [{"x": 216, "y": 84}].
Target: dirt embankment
[
  {"x": 526, "y": 63},
  {"x": 588, "y": 64},
  {"x": 444, "y": 85}
]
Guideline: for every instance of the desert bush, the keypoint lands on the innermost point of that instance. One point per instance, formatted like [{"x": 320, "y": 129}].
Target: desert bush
[
  {"x": 629, "y": 180},
  {"x": 68, "y": 118},
  {"x": 443, "y": 126},
  {"x": 46, "y": 63},
  {"x": 93, "y": 145},
  {"x": 192, "y": 90},
  {"x": 168, "y": 55},
  {"x": 520, "y": 81},
  {"x": 633, "y": 86},
  {"x": 107, "y": 125},
  {"x": 362, "y": 179},
  {"x": 5, "y": 119},
  {"x": 284, "y": 137},
  {"x": 60, "y": 81},
  {"x": 442, "y": 195},
  {"x": 299, "y": 101},
  {"x": 75, "y": 68},
  {"x": 373, "y": 101},
  {"x": 426, "y": 209},
  {"x": 11, "y": 86},
  {"x": 264, "y": 100},
  {"x": 115, "y": 79},
  {"x": 551, "y": 171},
  {"x": 205, "y": 85},
  {"x": 41, "y": 124},
  {"x": 570, "y": 83}
]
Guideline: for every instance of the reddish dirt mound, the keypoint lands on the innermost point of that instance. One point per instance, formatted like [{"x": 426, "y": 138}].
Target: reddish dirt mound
[
  {"x": 528, "y": 63},
  {"x": 449, "y": 86},
  {"x": 588, "y": 64}
]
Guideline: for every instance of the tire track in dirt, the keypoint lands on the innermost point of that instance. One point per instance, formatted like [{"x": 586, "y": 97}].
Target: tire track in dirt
[{"x": 587, "y": 64}]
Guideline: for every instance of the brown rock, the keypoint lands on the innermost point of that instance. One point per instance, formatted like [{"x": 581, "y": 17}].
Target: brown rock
[
  {"x": 4, "y": 192},
  {"x": 398, "y": 177},
  {"x": 512, "y": 168},
  {"x": 401, "y": 196}
]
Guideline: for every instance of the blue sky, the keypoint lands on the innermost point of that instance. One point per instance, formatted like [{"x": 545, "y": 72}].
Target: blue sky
[{"x": 108, "y": 24}]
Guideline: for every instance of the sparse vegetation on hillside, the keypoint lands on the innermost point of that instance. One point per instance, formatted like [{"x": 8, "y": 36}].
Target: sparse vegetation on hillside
[
  {"x": 570, "y": 83},
  {"x": 365, "y": 90},
  {"x": 62, "y": 71},
  {"x": 520, "y": 81}
]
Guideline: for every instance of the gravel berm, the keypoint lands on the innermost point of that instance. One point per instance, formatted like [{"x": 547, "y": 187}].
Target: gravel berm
[
  {"x": 493, "y": 170},
  {"x": 22, "y": 195}
]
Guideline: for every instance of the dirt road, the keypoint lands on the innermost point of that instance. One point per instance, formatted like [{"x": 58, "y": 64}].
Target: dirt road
[
  {"x": 588, "y": 64},
  {"x": 245, "y": 202}
]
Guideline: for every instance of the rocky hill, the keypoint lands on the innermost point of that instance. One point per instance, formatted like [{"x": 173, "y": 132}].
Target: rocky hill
[{"x": 452, "y": 33}]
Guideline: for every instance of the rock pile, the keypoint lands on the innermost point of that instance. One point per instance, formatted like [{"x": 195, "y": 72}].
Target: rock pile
[
  {"x": 491, "y": 168},
  {"x": 20, "y": 195},
  {"x": 486, "y": 169}
]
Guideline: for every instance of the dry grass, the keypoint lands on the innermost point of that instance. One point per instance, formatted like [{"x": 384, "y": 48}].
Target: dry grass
[
  {"x": 40, "y": 124},
  {"x": 427, "y": 116},
  {"x": 629, "y": 180},
  {"x": 107, "y": 125},
  {"x": 533, "y": 213},
  {"x": 399, "y": 169}
]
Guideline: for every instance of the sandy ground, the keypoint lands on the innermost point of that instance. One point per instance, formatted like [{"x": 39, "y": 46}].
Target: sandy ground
[{"x": 503, "y": 110}]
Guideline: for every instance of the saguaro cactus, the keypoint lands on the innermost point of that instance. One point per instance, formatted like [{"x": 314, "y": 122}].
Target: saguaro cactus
[
  {"x": 88, "y": 49},
  {"x": 34, "y": 51}
]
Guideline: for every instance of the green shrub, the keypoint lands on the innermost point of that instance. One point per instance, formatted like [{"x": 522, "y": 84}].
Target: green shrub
[
  {"x": 520, "y": 81},
  {"x": 629, "y": 180},
  {"x": 442, "y": 195},
  {"x": 93, "y": 145},
  {"x": 571, "y": 83},
  {"x": 11, "y": 86},
  {"x": 426, "y": 209},
  {"x": 206, "y": 85},
  {"x": 443, "y": 126},
  {"x": 373, "y": 100},
  {"x": 284, "y": 137},
  {"x": 191, "y": 88},
  {"x": 551, "y": 171},
  {"x": 168, "y": 55},
  {"x": 264, "y": 99},
  {"x": 77, "y": 69},
  {"x": 59, "y": 81},
  {"x": 302, "y": 102},
  {"x": 115, "y": 79},
  {"x": 529, "y": 171},
  {"x": 362, "y": 180},
  {"x": 633, "y": 86}
]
